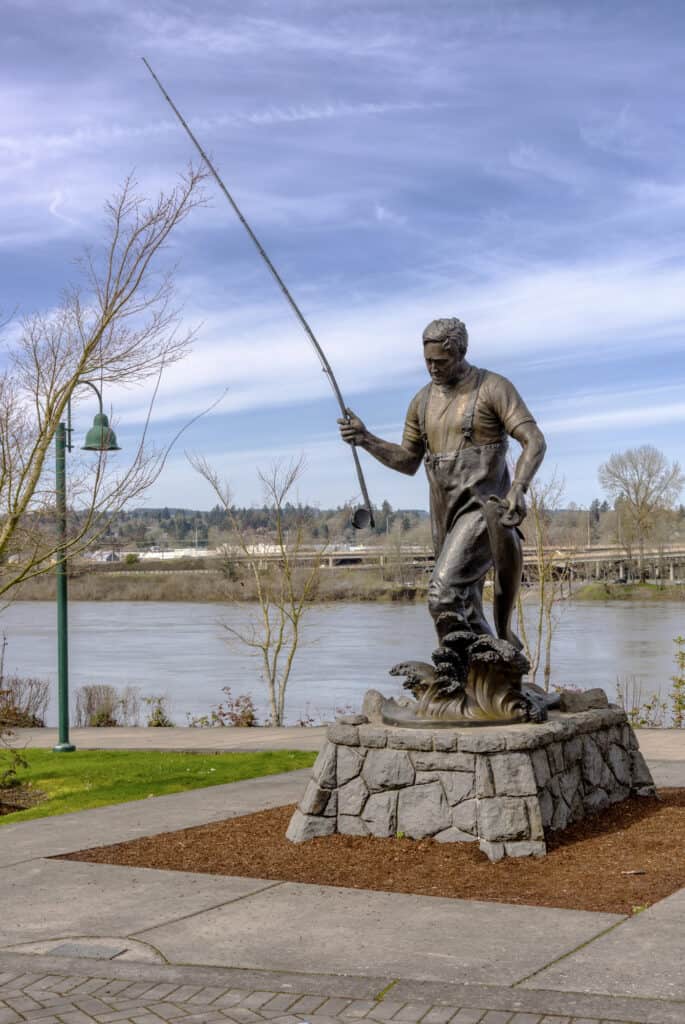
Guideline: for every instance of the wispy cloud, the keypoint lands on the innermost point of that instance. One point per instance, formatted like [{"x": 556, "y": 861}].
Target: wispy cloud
[
  {"x": 620, "y": 131},
  {"x": 537, "y": 161},
  {"x": 543, "y": 312},
  {"x": 635, "y": 416},
  {"x": 246, "y": 35},
  {"x": 384, "y": 215},
  {"x": 54, "y": 208},
  {"x": 654, "y": 194},
  {"x": 326, "y": 112}
]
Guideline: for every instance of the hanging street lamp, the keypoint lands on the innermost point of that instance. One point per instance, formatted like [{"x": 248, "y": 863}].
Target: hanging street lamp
[{"x": 100, "y": 438}]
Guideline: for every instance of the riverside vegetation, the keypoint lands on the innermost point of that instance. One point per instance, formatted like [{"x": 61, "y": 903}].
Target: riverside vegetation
[
  {"x": 213, "y": 582},
  {"x": 649, "y": 710},
  {"x": 601, "y": 591},
  {"x": 218, "y": 581}
]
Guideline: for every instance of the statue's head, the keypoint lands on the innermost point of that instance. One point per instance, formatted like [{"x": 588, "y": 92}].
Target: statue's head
[{"x": 450, "y": 333}]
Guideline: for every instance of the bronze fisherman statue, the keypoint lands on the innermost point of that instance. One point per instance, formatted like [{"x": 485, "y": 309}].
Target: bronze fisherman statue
[{"x": 458, "y": 425}]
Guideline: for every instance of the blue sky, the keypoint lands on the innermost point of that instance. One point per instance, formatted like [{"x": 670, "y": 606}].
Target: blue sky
[{"x": 520, "y": 165}]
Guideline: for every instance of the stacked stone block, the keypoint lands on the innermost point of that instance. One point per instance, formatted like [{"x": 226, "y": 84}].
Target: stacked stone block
[{"x": 500, "y": 786}]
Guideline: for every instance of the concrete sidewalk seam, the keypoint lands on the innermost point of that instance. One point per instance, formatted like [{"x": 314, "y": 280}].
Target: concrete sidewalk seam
[
  {"x": 570, "y": 952},
  {"x": 205, "y": 910},
  {"x": 27, "y": 860}
]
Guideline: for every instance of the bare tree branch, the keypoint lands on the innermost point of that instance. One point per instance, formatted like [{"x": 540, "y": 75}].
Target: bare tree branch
[
  {"x": 546, "y": 576},
  {"x": 284, "y": 590},
  {"x": 121, "y": 329}
]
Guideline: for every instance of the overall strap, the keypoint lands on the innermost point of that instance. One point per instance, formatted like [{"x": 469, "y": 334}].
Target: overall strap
[
  {"x": 467, "y": 424},
  {"x": 423, "y": 405}
]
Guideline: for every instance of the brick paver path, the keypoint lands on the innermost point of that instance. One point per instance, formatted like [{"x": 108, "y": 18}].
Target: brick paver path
[{"x": 56, "y": 998}]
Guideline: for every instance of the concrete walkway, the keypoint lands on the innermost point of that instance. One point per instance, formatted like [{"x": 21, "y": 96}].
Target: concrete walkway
[
  {"x": 656, "y": 744},
  {"x": 83, "y": 943},
  {"x": 209, "y": 740}
]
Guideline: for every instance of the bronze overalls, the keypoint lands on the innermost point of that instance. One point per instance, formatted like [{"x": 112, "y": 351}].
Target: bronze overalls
[{"x": 460, "y": 482}]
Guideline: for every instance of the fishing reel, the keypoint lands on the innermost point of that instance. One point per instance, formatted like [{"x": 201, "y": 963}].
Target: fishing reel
[{"x": 362, "y": 517}]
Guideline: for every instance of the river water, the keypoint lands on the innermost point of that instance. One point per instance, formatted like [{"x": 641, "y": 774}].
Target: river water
[{"x": 183, "y": 652}]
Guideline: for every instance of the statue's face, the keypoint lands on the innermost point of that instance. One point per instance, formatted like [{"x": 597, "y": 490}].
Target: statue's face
[{"x": 443, "y": 365}]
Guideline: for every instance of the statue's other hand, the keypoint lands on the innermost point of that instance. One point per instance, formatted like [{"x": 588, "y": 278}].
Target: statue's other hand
[
  {"x": 516, "y": 510},
  {"x": 352, "y": 430}
]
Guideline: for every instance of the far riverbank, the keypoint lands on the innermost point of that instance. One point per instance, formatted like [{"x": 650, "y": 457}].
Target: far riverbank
[
  {"x": 598, "y": 591},
  {"x": 209, "y": 586}
]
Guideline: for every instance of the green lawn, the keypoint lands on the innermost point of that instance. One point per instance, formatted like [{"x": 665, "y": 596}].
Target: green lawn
[{"x": 93, "y": 778}]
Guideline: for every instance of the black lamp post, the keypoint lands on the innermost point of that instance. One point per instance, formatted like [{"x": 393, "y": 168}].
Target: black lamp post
[{"x": 100, "y": 438}]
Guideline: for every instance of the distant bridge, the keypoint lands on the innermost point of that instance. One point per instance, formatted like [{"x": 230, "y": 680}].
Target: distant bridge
[
  {"x": 599, "y": 562},
  {"x": 602, "y": 562}
]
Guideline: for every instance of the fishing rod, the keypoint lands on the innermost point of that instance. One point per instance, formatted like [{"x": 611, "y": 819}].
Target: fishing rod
[{"x": 362, "y": 516}]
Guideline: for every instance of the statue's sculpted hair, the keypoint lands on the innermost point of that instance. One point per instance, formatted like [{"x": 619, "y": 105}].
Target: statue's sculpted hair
[{"x": 450, "y": 333}]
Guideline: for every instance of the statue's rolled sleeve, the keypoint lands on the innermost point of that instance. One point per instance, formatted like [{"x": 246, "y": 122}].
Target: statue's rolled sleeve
[
  {"x": 411, "y": 436},
  {"x": 503, "y": 402}
]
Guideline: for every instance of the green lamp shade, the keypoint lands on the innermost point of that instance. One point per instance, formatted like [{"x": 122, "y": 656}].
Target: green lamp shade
[{"x": 101, "y": 437}]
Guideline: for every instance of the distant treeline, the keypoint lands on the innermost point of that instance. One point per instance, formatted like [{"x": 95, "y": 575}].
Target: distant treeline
[
  {"x": 145, "y": 529},
  {"x": 178, "y": 527},
  {"x": 157, "y": 528}
]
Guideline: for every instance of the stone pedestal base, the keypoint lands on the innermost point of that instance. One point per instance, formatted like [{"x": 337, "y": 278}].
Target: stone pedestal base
[{"x": 500, "y": 786}]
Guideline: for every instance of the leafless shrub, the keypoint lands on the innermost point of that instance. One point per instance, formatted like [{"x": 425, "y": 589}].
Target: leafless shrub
[
  {"x": 232, "y": 711},
  {"x": 11, "y": 759},
  {"x": 23, "y": 701},
  {"x": 157, "y": 716},
  {"x": 128, "y": 706},
  {"x": 100, "y": 704},
  {"x": 644, "y": 710},
  {"x": 95, "y": 706}
]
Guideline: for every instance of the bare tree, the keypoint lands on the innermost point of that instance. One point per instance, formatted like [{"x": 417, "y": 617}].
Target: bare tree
[
  {"x": 120, "y": 327},
  {"x": 284, "y": 587},
  {"x": 546, "y": 574},
  {"x": 395, "y": 560},
  {"x": 644, "y": 483}
]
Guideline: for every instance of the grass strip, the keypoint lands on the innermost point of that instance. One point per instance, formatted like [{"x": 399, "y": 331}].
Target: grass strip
[{"x": 96, "y": 778}]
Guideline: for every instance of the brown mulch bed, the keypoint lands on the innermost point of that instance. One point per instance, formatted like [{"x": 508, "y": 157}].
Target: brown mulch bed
[
  {"x": 620, "y": 861},
  {"x": 19, "y": 798}
]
